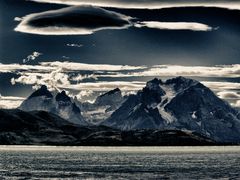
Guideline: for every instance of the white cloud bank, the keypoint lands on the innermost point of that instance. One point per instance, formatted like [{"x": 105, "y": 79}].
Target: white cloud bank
[
  {"x": 106, "y": 85},
  {"x": 151, "y": 4},
  {"x": 174, "y": 25},
  {"x": 70, "y": 75},
  {"x": 218, "y": 71},
  {"x": 74, "y": 76},
  {"x": 66, "y": 66},
  {"x": 197, "y": 71},
  {"x": 109, "y": 70},
  {"x": 9, "y": 102},
  {"x": 72, "y": 66},
  {"x": 223, "y": 86},
  {"x": 229, "y": 95}
]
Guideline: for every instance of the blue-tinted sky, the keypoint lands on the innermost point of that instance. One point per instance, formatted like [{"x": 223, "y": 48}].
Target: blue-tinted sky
[{"x": 195, "y": 36}]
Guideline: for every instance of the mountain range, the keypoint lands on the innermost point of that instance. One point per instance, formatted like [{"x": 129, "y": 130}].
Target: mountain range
[
  {"x": 44, "y": 128},
  {"x": 178, "y": 103},
  {"x": 162, "y": 109}
]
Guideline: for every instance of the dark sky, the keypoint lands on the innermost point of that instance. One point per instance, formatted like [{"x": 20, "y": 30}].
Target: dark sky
[
  {"x": 138, "y": 44},
  {"x": 129, "y": 46}
]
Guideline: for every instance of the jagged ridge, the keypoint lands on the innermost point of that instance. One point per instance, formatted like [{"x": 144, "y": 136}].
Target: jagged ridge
[
  {"x": 175, "y": 104},
  {"x": 60, "y": 104},
  {"x": 178, "y": 103}
]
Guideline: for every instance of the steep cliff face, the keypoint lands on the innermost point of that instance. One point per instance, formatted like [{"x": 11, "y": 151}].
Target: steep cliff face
[
  {"x": 61, "y": 104},
  {"x": 103, "y": 106}
]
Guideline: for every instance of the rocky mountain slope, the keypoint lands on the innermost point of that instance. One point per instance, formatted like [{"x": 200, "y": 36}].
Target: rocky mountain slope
[
  {"x": 60, "y": 104},
  {"x": 103, "y": 106},
  {"x": 178, "y": 103},
  {"x": 175, "y": 104}
]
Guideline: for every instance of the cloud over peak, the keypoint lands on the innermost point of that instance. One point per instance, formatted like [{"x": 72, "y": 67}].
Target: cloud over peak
[{"x": 76, "y": 77}]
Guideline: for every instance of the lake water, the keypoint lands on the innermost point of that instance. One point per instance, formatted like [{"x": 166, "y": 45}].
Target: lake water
[{"x": 44, "y": 162}]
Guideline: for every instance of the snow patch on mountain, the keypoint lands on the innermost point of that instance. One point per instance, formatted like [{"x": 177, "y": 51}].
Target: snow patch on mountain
[
  {"x": 194, "y": 115},
  {"x": 178, "y": 103}
]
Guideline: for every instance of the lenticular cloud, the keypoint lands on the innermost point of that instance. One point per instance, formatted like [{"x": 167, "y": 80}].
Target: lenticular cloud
[
  {"x": 150, "y": 4},
  {"x": 83, "y": 20},
  {"x": 77, "y": 20},
  {"x": 193, "y": 26}
]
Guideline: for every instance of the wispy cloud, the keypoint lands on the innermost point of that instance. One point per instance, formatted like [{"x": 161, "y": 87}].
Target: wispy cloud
[
  {"x": 13, "y": 68},
  {"x": 222, "y": 86},
  {"x": 52, "y": 79},
  {"x": 60, "y": 74},
  {"x": 66, "y": 66},
  {"x": 84, "y": 94},
  {"x": 32, "y": 56},
  {"x": 106, "y": 85},
  {"x": 74, "y": 45},
  {"x": 228, "y": 91},
  {"x": 9, "y": 102},
  {"x": 174, "y": 25},
  {"x": 197, "y": 71},
  {"x": 236, "y": 104},
  {"x": 108, "y": 70},
  {"x": 83, "y": 20},
  {"x": 57, "y": 73},
  {"x": 81, "y": 77},
  {"x": 65, "y": 57},
  {"x": 230, "y": 71},
  {"x": 151, "y": 4},
  {"x": 78, "y": 77},
  {"x": 229, "y": 95},
  {"x": 17, "y": 19},
  {"x": 72, "y": 66}
]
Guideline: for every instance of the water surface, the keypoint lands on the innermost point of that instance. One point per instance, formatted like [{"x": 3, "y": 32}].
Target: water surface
[{"x": 47, "y": 162}]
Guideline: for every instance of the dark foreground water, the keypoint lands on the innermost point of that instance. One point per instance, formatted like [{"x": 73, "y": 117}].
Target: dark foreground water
[{"x": 34, "y": 162}]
